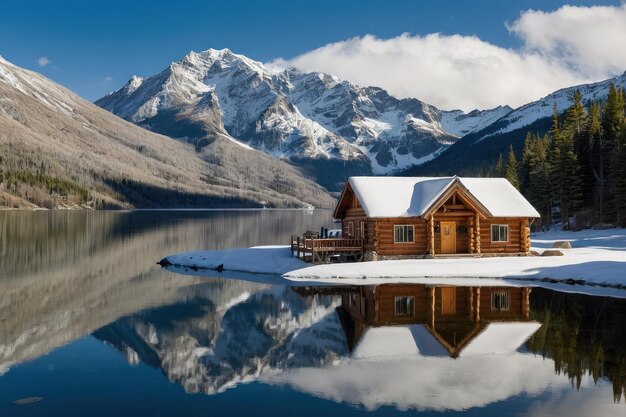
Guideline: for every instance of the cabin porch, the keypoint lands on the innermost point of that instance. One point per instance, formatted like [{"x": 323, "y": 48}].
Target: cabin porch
[{"x": 314, "y": 249}]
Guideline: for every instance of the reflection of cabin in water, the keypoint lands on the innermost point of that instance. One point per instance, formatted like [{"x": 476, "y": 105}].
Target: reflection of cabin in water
[
  {"x": 453, "y": 316},
  {"x": 419, "y": 216}
]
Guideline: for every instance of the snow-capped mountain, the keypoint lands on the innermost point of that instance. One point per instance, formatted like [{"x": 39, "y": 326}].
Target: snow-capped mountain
[
  {"x": 287, "y": 114},
  {"x": 214, "y": 343},
  {"x": 459, "y": 123},
  {"x": 529, "y": 113},
  {"x": 105, "y": 161},
  {"x": 479, "y": 148}
]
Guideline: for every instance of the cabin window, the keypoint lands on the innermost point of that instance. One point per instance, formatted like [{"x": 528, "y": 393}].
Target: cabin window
[
  {"x": 499, "y": 232},
  {"x": 403, "y": 233},
  {"x": 405, "y": 306},
  {"x": 500, "y": 301},
  {"x": 350, "y": 229},
  {"x": 362, "y": 230}
]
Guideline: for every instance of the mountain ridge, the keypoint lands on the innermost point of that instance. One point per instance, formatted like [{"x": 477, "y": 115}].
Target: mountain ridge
[
  {"x": 288, "y": 114},
  {"x": 476, "y": 152},
  {"x": 59, "y": 150}
]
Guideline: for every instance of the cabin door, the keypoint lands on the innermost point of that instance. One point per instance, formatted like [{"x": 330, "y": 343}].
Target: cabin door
[
  {"x": 448, "y": 237},
  {"x": 448, "y": 300}
]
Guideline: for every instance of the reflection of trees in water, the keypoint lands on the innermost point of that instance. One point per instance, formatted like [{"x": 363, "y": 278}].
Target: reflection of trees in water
[
  {"x": 582, "y": 334},
  {"x": 65, "y": 274}
]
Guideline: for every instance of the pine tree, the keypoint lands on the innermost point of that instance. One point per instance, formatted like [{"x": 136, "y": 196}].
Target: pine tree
[
  {"x": 500, "y": 167},
  {"x": 555, "y": 130},
  {"x": 575, "y": 127},
  {"x": 538, "y": 189},
  {"x": 510, "y": 172},
  {"x": 618, "y": 159},
  {"x": 526, "y": 164},
  {"x": 565, "y": 176},
  {"x": 575, "y": 118},
  {"x": 594, "y": 137},
  {"x": 611, "y": 123},
  {"x": 619, "y": 187}
]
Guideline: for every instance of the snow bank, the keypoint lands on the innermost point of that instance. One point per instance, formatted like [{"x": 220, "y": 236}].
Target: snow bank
[
  {"x": 597, "y": 256},
  {"x": 259, "y": 260}
]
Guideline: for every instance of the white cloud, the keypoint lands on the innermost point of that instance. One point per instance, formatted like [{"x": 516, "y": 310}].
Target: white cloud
[
  {"x": 107, "y": 79},
  {"x": 466, "y": 72},
  {"x": 43, "y": 61},
  {"x": 591, "y": 40}
]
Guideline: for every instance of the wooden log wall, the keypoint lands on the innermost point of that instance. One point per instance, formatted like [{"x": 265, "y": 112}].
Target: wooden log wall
[
  {"x": 386, "y": 308},
  {"x": 386, "y": 245},
  {"x": 477, "y": 247},
  {"x": 356, "y": 215},
  {"x": 515, "y": 243},
  {"x": 517, "y": 298},
  {"x": 430, "y": 236}
]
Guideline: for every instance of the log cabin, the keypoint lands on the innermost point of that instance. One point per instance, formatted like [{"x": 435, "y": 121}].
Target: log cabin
[
  {"x": 413, "y": 217},
  {"x": 451, "y": 320}
]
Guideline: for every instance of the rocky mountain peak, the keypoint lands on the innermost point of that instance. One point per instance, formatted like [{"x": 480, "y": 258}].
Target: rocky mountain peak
[{"x": 288, "y": 114}]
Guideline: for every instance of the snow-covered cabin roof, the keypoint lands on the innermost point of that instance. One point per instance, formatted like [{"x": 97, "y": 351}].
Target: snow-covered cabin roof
[
  {"x": 500, "y": 338},
  {"x": 416, "y": 340},
  {"x": 386, "y": 197},
  {"x": 397, "y": 341}
]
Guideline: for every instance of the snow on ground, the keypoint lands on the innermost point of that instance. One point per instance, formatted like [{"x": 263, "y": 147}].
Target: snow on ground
[
  {"x": 258, "y": 260},
  {"x": 597, "y": 256}
]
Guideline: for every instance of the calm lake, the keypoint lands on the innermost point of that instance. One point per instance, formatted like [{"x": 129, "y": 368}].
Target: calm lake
[{"x": 91, "y": 326}]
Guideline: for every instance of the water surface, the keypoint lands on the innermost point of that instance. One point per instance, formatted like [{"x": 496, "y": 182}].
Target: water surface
[{"x": 90, "y": 326}]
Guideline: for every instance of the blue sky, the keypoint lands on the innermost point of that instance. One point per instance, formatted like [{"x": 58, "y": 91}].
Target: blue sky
[{"x": 93, "y": 47}]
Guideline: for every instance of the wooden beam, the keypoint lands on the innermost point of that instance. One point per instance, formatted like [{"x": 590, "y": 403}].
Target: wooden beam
[
  {"x": 376, "y": 238},
  {"x": 466, "y": 198},
  {"x": 472, "y": 243},
  {"x": 477, "y": 233},
  {"x": 466, "y": 213},
  {"x": 430, "y": 234}
]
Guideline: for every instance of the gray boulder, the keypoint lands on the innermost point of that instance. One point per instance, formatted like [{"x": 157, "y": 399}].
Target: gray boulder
[
  {"x": 552, "y": 252},
  {"x": 562, "y": 244}
]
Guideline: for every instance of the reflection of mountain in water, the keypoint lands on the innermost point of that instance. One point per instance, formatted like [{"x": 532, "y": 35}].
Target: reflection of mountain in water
[
  {"x": 63, "y": 275},
  {"x": 402, "y": 352},
  {"x": 209, "y": 347},
  {"x": 430, "y": 347},
  {"x": 408, "y": 346}
]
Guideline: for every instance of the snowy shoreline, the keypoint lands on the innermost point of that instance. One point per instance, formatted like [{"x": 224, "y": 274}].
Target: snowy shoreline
[{"x": 597, "y": 259}]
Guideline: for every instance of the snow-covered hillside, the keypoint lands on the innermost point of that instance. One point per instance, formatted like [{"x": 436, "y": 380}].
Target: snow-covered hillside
[
  {"x": 108, "y": 162},
  {"x": 287, "y": 114},
  {"x": 531, "y": 112},
  {"x": 459, "y": 123}
]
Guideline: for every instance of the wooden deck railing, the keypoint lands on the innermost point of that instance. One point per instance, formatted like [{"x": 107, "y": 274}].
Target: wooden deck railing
[{"x": 315, "y": 249}]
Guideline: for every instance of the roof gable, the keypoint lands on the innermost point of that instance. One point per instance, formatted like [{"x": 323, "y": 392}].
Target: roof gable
[{"x": 389, "y": 197}]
